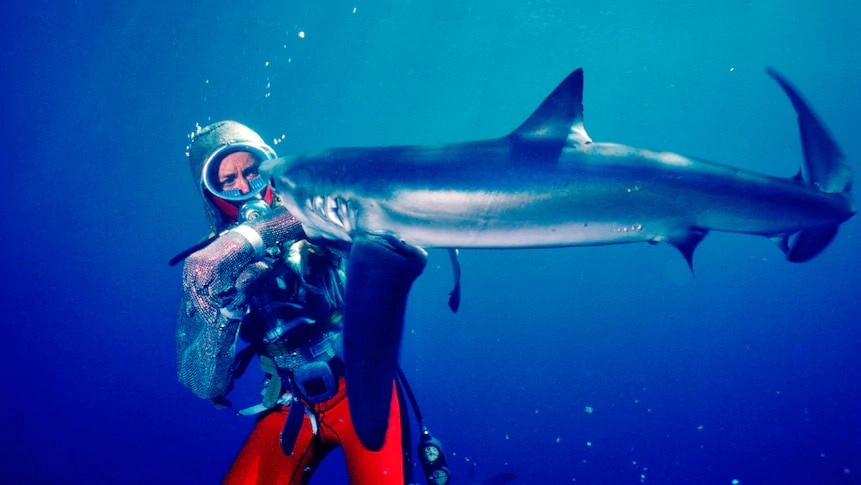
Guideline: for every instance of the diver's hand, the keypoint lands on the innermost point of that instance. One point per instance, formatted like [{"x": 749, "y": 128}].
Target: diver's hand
[
  {"x": 219, "y": 276},
  {"x": 245, "y": 281}
]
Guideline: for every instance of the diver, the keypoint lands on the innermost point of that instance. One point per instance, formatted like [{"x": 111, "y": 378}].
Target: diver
[{"x": 259, "y": 280}]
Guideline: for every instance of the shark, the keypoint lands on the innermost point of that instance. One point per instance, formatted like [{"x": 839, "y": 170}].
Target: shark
[{"x": 545, "y": 184}]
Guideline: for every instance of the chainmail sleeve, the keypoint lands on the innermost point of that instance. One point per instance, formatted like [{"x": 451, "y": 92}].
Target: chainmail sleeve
[{"x": 213, "y": 300}]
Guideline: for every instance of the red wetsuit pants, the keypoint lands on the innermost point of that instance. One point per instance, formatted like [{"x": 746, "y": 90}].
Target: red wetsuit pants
[{"x": 261, "y": 461}]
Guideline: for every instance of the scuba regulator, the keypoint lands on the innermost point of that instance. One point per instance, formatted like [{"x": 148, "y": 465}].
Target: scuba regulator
[{"x": 252, "y": 210}]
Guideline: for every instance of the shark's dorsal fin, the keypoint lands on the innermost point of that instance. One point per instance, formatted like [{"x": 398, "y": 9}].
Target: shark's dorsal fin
[{"x": 557, "y": 122}]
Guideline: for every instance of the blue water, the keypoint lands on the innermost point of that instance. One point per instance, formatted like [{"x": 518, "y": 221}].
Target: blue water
[{"x": 748, "y": 371}]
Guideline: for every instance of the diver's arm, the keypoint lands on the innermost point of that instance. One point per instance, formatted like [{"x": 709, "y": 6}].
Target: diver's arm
[{"x": 213, "y": 301}]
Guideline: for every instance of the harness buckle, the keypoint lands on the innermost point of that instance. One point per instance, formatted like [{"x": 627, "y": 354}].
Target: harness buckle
[{"x": 315, "y": 381}]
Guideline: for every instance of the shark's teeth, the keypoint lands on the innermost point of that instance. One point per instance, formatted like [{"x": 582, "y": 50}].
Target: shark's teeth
[
  {"x": 339, "y": 213},
  {"x": 335, "y": 217}
]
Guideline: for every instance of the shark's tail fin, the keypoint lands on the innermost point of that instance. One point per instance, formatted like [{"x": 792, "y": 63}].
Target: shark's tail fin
[{"x": 824, "y": 169}]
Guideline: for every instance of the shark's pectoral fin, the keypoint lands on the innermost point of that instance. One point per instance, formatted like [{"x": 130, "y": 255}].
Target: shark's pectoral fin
[{"x": 380, "y": 272}]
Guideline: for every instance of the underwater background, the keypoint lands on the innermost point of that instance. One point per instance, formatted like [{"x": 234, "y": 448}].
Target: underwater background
[{"x": 597, "y": 365}]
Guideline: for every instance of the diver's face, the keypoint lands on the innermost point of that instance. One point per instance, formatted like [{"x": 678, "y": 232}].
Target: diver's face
[{"x": 236, "y": 172}]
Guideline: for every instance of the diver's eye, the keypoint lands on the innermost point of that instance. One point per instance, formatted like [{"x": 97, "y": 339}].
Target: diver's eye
[{"x": 228, "y": 183}]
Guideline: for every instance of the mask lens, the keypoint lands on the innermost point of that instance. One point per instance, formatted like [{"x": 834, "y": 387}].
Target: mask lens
[
  {"x": 256, "y": 185},
  {"x": 233, "y": 172}
]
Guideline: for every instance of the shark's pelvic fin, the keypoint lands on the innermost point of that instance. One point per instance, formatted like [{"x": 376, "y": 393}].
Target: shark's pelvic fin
[
  {"x": 557, "y": 122},
  {"x": 380, "y": 272},
  {"x": 687, "y": 244}
]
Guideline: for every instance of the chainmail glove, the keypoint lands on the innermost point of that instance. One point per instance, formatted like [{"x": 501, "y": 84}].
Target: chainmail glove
[{"x": 215, "y": 280}]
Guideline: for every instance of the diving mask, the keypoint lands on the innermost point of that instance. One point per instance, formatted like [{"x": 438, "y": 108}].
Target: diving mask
[{"x": 232, "y": 171}]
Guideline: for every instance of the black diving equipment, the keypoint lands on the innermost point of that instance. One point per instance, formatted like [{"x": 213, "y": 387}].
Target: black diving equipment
[
  {"x": 433, "y": 460},
  {"x": 316, "y": 381},
  {"x": 431, "y": 453}
]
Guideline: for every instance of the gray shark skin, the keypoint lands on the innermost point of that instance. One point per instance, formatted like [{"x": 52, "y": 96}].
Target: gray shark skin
[
  {"x": 547, "y": 184},
  {"x": 544, "y": 185}
]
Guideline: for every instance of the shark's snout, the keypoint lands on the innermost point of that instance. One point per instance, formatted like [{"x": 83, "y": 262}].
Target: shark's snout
[
  {"x": 273, "y": 171},
  {"x": 268, "y": 168}
]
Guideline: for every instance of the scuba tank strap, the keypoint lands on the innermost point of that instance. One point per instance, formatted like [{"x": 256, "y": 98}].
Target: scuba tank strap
[
  {"x": 292, "y": 426},
  {"x": 297, "y": 408},
  {"x": 272, "y": 395},
  {"x": 272, "y": 390},
  {"x": 274, "y": 384}
]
